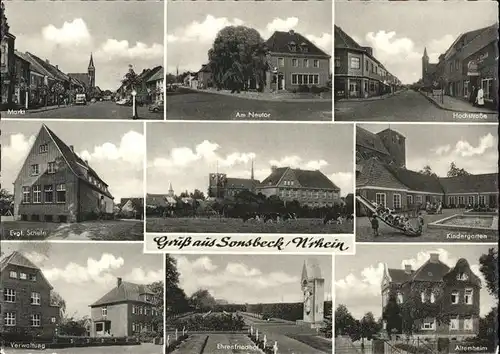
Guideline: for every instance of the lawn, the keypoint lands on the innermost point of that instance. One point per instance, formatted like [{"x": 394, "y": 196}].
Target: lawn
[
  {"x": 102, "y": 230},
  {"x": 221, "y": 343},
  {"x": 226, "y": 225},
  {"x": 364, "y": 231},
  {"x": 146, "y": 348}
]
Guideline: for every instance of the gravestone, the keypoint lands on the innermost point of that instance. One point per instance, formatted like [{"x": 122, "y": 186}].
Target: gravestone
[{"x": 313, "y": 290}]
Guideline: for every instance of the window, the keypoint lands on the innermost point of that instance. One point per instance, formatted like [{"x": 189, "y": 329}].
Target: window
[
  {"x": 380, "y": 198},
  {"x": 454, "y": 297},
  {"x": 295, "y": 63},
  {"x": 61, "y": 193},
  {"x": 53, "y": 320},
  {"x": 396, "y": 201},
  {"x": 48, "y": 194},
  {"x": 35, "y": 169},
  {"x": 423, "y": 297},
  {"x": 428, "y": 325},
  {"x": 10, "y": 319},
  {"x": 32, "y": 277},
  {"x": 140, "y": 310},
  {"x": 355, "y": 63},
  {"x": 35, "y": 320},
  {"x": 133, "y": 327},
  {"x": 133, "y": 309},
  {"x": 9, "y": 295},
  {"x": 99, "y": 327},
  {"x": 305, "y": 79},
  {"x": 316, "y": 63},
  {"x": 26, "y": 195},
  {"x": 418, "y": 199},
  {"x": 409, "y": 199},
  {"x": 482, "y": 200},
  {"x": 468, "y": 324},
  {"x": 23, "y": 276},
  {"x": 461, "y": 200},
  {"x": 452, "y": 200},
  {"x": 43, "y": 148},
  {"x": 400, "y": 298},
  {"x": 337, "y": 62},
  {"x": 283, "y": 193},
  {"x": 466, "y": 88},
  {"x": 470, "y": 199},
  {"x": 462, "y": 276},
  {"x": 37, "y": 194},
  {"x": 433, "y": 298},
  {"x": 104, "y": 311},
  {"x": 35, "y": 298},
  {"x": 454, "y": 324},
  {"x": 13, "y": 274},
  {"x": 487, "y": 86},
  {"x": 281, "y": 62},
  {"x": 468, "y": 296},
  {"x": 306, "y": 63},
  {"x": 51, "y": 167}
]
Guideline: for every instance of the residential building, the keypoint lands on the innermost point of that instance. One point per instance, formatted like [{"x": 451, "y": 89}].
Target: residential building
[
  {"x": 7, "y": 62},
  {"x": 132, "y": 208},
  {"x": 26, "y": 305},
  {"x": 358, "y": 74},
  {"x": 456, "y": 290},
  {"x": 125, "y": 310},
  {"x": 295, "y": 61},
  {"x": 205, "y": 78},
  {"x": 22, "y": 79},
  {"x": 155, "y": 86},
  {"x": 311, "y": 188},
  {"x": 381, "y": 176},
  {"x": 55, "y": 184}
]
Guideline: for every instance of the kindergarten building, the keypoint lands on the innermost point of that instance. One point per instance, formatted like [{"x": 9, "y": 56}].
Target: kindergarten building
[{"x": 381, "y": 176}]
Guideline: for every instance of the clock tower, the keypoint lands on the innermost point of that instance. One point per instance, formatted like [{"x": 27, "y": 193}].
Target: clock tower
[{"x": 91, "y": 72}]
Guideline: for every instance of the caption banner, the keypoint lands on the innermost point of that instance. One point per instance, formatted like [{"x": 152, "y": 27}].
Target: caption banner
[{"x": 241, "y": 243}]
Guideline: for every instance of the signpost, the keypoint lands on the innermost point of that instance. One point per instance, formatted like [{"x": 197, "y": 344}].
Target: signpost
[{"x": 134, "y": 108}]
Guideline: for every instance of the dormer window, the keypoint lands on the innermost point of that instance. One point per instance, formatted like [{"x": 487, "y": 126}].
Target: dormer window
[
  {"x": 104, "y": 311},
  {"x": 293, "y": 46},
  {"x": 43, "y": 148},
  {"x": 304, "y": 47},
  {"x": 462, "y": 276}
]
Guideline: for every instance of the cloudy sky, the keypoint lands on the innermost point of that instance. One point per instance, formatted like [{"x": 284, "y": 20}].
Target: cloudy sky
[
  {"x": 358, "y": 278},
  {"x": 193, "y": 26},
  {"x": 66, "y": 33},
  {"x": 249, "y": 279},
  {"x": 472, "y": 147},
  {"x": 184, "y": 153},
  {"x": 82, "y": 275},
  {"x": 399, "y": 31},
  {"x": 114, "y": 150}
]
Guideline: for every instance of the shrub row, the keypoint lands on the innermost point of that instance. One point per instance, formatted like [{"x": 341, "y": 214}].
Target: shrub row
[
  {"x": 212, "y": 322},
  {"x": 286, "y": 311},
  {"x": 312, "y": 89},
  {"x": 175, "y": 343}
]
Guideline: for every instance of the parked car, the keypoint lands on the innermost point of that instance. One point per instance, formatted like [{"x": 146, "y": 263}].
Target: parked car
[
  {"x": 156, "y": 107},
  {"x": 122, "y": 102},
  {"x": 93, "y": 100},
  {"x": 80, "y": 99}
]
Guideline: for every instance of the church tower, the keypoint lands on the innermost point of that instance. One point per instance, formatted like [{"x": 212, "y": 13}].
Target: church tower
[
  {"x": 251, "y": 173},
  {"x": 91, "y": 72},
  {"x": 425, "y": 65},
  {"x": 171, "y": 191}
]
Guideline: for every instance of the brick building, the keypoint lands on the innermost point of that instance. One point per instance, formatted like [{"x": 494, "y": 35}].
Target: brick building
[
  {"x": 7, "y": 62},
  {"x": 295, "y": 61},
  {"x": 381, "y": 176},
  {"x": 358, "y": 74},
  {"x": 26, "y": 306},
  {"x": 125, "y": 310},
  {"x": 456, "y": 290},
  {"x": 55, "y": 184}
]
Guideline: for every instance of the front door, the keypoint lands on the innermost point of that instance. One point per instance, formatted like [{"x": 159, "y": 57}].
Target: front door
[{"x": 281, "y": 82}]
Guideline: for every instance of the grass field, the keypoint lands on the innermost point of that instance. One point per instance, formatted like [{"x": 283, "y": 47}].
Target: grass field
[
  {"x": 225, "y": 225},
  {"x": 104, "y": 230},
  {"x": 131, "y": 349}
]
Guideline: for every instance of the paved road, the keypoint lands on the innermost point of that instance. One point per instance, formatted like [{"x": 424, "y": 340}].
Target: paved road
[
  {"x": 98, "y": 110},
  {"x": 210, "y": 106},
  {"x": 407, "y": 106}
]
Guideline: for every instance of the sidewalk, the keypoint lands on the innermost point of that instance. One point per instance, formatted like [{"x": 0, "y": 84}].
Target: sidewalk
[
  {"x": 5, "y": 114},
  {"x": 262, "y": 96},
  {"x": 374, "y": 98},
  {"x": 456, "y": 104}
]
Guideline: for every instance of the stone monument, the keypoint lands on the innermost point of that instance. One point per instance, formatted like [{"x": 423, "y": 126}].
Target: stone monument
[{"x": 313, "y": 289}]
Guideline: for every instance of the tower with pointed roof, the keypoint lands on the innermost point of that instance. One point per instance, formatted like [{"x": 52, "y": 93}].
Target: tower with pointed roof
[
  {"x": 313, "y": 290},
  {"x": 91, "y": 72},
  {"x": 171, "y": 191},
  {"x": 425, "y": 64}
]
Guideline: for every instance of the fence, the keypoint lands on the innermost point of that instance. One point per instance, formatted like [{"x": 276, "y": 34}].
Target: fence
[{"x": 261, "y": 341}]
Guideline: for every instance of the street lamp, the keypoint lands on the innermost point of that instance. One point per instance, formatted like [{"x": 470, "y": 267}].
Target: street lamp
[{"x": 134, "y": 106}]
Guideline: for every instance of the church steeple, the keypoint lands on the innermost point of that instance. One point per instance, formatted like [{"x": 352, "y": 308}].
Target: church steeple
[
  {"x": 91, "y": 72},
  {"x": 170, "y": 190},
  {"x": 91, "y": 62},
  {"x": 251, "y": 173}
]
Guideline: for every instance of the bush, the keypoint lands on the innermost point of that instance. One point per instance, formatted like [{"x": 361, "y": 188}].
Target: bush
[
  {"x": 316, "y": 90},
  {"x": 146, "y": 336},
  {"x": 443, "y": 343},
  {"x": 212, "y": 322},
  {"x": 303, "y": 89},
  {"x": 413, "y": 349},
  {"x": 175, "y": 343}
]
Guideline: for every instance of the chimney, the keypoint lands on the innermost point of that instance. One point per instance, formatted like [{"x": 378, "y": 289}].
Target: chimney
[
  {"x": 408, "y": 268},
  {"x": 118, "y": 282},
  {"x": 72, "y": 148},
  {"x": 47, "y": 61},
  {"x": 273, "y": 168},
  {"x": 57, "y": 67},
  {"x": 291, "y": 32},
  {"x": 86, "y": 162},
  {"x": 434, "y": 257}
]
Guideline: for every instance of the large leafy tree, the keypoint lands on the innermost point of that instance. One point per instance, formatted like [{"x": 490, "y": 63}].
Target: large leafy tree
[
  {"x": 202, "y": 300},
  {"x": 176, "y": 298},
  {"x": 345, "y": 323},
  {"x": 368, "y": 327},
  {"x": 392, "y": 315},
  {"x": 157, "y": 288},
  {"x": 131, "y": 82},
  {"x": 454, "y": 171},
  {"x": 6, "y": 201},
  {"x": 489, "y": 268},
  {"x": 427, "y": 170},
  {"x": 57, "y": 300}
]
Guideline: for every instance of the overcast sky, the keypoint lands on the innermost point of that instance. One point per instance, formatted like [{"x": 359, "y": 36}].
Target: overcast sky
[
  {"x": 114, "y": 150},
  {"x": 119, "y": 33},
  {"x": 399, "y": 31},
  {"x": 193, "y": 25},
  {"x": 184, "y": 153},
  {"x": 82, "y": 275},
  {"x": 358, "y": 278},
  {"x": 472, "y": 147},
  {"x": 249, "y": 278}
]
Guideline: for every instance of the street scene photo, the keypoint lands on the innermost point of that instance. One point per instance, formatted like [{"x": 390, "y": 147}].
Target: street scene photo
[
  {"x": 250, "y": 178},
  {"x": 67, "y": 299},
  {"x": 410, "y": 61},
  {"x": 249, "y": 61},
  {"x": 248, "y": 304},
  {"x": 417, "y": 299},
  {"x": 61, "y": 60},
  {"x": 72, "y": 181},
  {"x": 427, "y": 183}
]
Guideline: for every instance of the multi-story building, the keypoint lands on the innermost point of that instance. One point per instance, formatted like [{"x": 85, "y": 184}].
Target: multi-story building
[
  {"x": 155, "y": 86},
  {"x": 221, "y": 186},
  {"x": 7, "y": 62},
  {"x": 205, "y": 79},
  {"x": 295, "y": 61},
  {"x": 310, "y": 188},
  {"x": 381, "y": 176},
  {"x": 456, "y": 290},
  {"x": 125, "y": 310},
  {"x": 26, "y": 307},
  {"x": 55, "y": 184},
  {"x": 358, "y": 74},
  {"x": 22, "y": 79}
]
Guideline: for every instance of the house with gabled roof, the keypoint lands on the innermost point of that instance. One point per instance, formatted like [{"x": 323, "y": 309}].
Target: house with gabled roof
[
  {"x": 308, "y": 187},
  {"x": 125, "y": 310},
  {"x": 26, "y": 306},
  {"x": 295, "y": 61},
  {"x": 456, "y": 290},
  {"x": 132, "y": 208},
  {"x": 381, "y": 176},
  {"x": 54, "y": 184}
]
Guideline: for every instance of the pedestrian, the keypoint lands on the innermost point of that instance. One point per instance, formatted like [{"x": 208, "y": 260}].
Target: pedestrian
[
  {"x": 374, "y": 222},
  {"x": 472, "y": 96},
  {"x": 480, "y": 97},
  {"x": 420, "y": 223}
]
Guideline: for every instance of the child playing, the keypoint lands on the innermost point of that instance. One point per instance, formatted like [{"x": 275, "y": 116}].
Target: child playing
[{"x": 374, "y": 222}]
